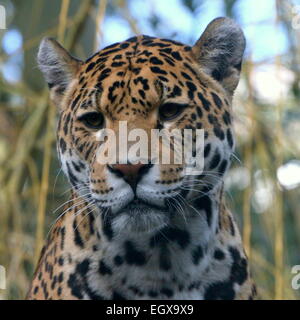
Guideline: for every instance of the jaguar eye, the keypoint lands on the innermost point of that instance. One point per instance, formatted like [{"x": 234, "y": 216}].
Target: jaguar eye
[
  {"x": 169, "y": 111},
  {"x": 92, "y": 120}
]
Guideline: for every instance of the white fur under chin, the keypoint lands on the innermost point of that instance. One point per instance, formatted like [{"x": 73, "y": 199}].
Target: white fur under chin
[{"x": 141, "y": 219}]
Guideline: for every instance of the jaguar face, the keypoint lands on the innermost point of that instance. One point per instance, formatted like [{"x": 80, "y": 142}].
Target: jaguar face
[{"x": 147, "y": 84}]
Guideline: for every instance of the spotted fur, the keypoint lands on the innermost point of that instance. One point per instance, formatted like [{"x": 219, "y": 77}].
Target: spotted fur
[{"x": 168, "y": 235}]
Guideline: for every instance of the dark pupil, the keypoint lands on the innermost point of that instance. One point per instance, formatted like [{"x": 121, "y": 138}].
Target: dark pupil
[
  {"x": 93, "y": 120},
  {"x": 169, "y": 110}
]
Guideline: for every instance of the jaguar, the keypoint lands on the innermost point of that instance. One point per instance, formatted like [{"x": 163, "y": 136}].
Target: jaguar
[{"x": 135, "y": 229}]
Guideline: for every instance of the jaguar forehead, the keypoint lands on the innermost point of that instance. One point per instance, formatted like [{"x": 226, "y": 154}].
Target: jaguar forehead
[
  {"x": 142, "y": 48},
  {"x": 129, "y": 58}
]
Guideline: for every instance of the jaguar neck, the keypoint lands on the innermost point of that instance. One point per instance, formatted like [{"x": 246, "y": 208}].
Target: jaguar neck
[{"x": 192, "y": 232}]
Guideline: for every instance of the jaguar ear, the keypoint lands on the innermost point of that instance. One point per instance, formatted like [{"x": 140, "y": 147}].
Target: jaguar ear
[
  {"x": 58, "y": 66},
  {"x": 220, "y": 51}
]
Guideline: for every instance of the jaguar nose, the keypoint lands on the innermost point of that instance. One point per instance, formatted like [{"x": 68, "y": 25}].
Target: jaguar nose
[{"x": 131, "y": 173}]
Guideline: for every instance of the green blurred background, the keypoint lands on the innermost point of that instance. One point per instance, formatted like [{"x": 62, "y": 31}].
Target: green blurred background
[{"x": 263, "y": 185}]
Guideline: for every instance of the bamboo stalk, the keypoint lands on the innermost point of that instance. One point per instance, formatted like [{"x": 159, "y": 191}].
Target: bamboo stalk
[
  {"x": 127, "y": 15},
  {"x": 48, "y": 147},
  {"x": 248, "y": 155},
  {"x": 99, "y": 19},
  {"x": 78, "y": 23},
  {"x": 44, "y": 182},
  {"x": 279, "y": 222},
  {"x": 62, "y": 21}
]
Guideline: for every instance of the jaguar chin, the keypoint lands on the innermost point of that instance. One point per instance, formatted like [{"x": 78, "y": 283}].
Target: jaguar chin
[{"x": 139, "y": 216}]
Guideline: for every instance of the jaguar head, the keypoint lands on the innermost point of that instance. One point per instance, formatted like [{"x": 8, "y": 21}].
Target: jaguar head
[{"x": 113, "y": 106}]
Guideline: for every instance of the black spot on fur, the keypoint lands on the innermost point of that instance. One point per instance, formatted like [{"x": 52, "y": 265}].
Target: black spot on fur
[
  {"x": 77, "y": 237},
  {"x": 176, "y": 92},
  {"x": 104, "y": 268},
  {"x": 66, "y": 123},
  {"x": 216, "y": 74},
  {"x": 215, "y": 160},
  {"x": 222, "y": 167},
  {"x": 229, "y": 138},
  {"x": 219, "y": 132},
  {"x": 74, "y": 103},
  {"x": 76, "y": 167},
  {"x": 83, "y": 267},
  {"x": 238, "y": 66},
  {"x": 217, "y": 100},
  {"x": 74, "y": 282},
  {"x": 204, "y": 203},
  {"x": 61, "y": 277},
  {"x": 192, "y": 89},
  {"x": 118, "y": 260},
  {"x": 104, "y": 74},
  {"x": 164, "y": 260},
  {"x": 132, "y": 255},
  {"x": 73, "y": 179},
  {"x": 78, "y": 283},
  {"x": 199, "y": 112},
  {"x": 197, "y": 254},
  {"x": 124, "y": 45},
  {"x": 158, "y": 70},
  {"x": 141, "y": 60},
  {"x": 155, "y": 60},
  {"x": 166, "y": 291},
  {"x": 63, "y": 234},
  {"x": 219, "y": 254},
  {"x": 207, "y": 150},
  {"x": 118, "y": 296},
  {"x": 231, "y": 225},
  {"x": 91, "y": 222},
  {"x": 226, "y": 118},
  {"x": 167, "y": 234},
  {"x": 220, "y": 291},
  {"x": 239, "y": 272},
  {"x": 62, "y": 145},
  {"x": 109, "y": 52},
  {"x": 176, "y": 55},
  {"x": 186, "y": 76},
  {"x": 117, "y": 57},
  {"x": 205, "y": 102},
  {"x": 90, "y": 67},
  {"x": 107, "y": 228},
  {"x": 61, "y": 261},
  {"x": 142, "y": 93},
  {"x": 152, "y": 294},
  {"x": 117, "y": 64}
]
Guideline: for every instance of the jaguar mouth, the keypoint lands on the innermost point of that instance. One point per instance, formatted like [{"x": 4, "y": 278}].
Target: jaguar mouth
[
  {"x": 140, "y": 216},
  {"x": 139, "y": 206}
]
